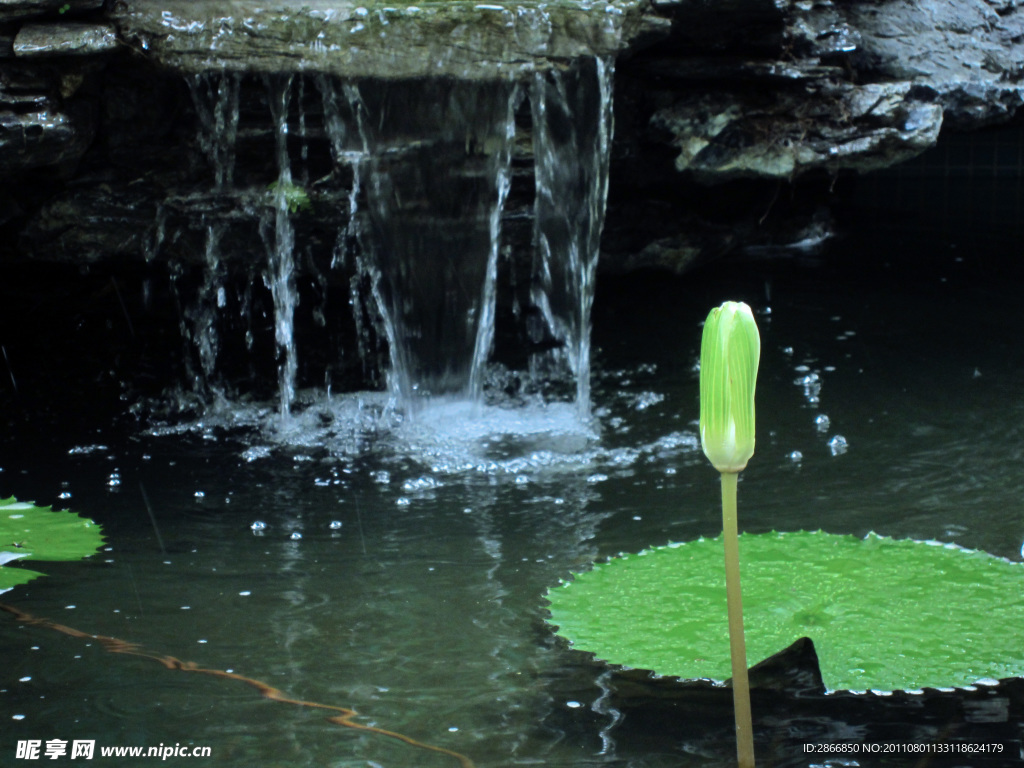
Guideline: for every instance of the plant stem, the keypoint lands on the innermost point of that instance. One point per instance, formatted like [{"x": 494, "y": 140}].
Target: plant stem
[{"x": 737, "y": 643}]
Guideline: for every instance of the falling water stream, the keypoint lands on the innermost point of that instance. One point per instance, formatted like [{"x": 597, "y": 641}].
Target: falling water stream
[{"x": 430, "y": 168}]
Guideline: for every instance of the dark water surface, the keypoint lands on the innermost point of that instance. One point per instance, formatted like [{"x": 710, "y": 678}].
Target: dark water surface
[{"x": 402, "y": 575}]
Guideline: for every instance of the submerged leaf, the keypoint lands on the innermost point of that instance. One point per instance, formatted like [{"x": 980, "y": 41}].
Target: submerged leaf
[
  {"x": 884, "y": 614},
  {"x": 32, "y": 532}
]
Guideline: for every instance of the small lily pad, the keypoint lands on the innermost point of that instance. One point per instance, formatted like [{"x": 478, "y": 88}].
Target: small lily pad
[
  {"x": 32, "y": 532},
  {"x": 884, "y": 614}
]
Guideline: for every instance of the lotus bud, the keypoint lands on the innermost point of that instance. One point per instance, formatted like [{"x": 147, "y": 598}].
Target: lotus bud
[{"x": 729, "y": 352}]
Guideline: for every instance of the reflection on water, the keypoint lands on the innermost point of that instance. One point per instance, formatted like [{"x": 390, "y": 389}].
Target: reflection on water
[{"x": 400, "y": 563}]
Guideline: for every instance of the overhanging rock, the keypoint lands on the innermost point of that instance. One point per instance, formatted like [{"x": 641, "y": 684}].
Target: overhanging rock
[{"x": 461, "y": 39}]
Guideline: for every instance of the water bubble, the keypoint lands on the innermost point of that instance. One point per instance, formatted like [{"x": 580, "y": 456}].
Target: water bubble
[
  {"x": 646, "y": 399},
  {"x": 402, "y": 501},
  {"x": 822, "y": 422},
  {"x": 258, "y": 526},
  {"x": 114, "y": 480},
  {"x": 64, "y": 495},
  {"x": 381, "y": 476},
  {"x": 295, "y": 536},
  {"x": 424, "y": 483},
  {"x": 256, "y": 452},
  {"x": 597, "y": 478},
  {"x": 245, "y": 593},
  {"x": 199, "y": 494},
  {"x": 811, "y": 384},
  {"x": 837, "y": 445},
  {"x": 522, "y": 480},
  {"x": 796, "y": 456},
  {"x": 334, "y": 525}
]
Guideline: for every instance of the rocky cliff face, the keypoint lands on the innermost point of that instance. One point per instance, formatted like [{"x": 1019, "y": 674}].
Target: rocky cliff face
[{"x": 718, "y": 105}]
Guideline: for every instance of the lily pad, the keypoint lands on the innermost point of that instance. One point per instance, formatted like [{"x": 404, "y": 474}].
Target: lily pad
[
  {"x": 884, "y": 614},
  {"x": 32, "y": 532}
]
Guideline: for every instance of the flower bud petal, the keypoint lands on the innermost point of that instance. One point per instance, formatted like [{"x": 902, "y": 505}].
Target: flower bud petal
[{"x": 729, "y": 353}]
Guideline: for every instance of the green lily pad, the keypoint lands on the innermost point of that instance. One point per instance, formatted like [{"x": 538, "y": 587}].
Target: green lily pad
[
  {"x": 31, "y": 532},
  {"x": 884, "y": 614}
]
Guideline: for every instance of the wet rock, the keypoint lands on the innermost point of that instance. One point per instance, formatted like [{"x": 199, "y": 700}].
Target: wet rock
[
  {"x": 36, "y": 133},
  {"x": 969, "y": 52},
  {"x": 790, "y": 131},
  {"x": 16, "y": 10},
  {"x": 67, "y": 39},
  {"x": 94, "y": 223},
  {"x": 463, "y": 39}
]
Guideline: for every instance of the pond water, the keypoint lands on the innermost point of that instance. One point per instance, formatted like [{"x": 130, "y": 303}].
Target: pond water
[{"x": 401, "y": 572}]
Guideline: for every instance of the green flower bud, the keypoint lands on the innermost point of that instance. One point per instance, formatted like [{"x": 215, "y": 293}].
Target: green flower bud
[{"x": 729, "y": 352}]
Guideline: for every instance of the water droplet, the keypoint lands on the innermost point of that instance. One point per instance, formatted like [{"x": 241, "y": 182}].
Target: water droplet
[
  {"x": 837, "y": 445},
  {"x": 245, "y": 593},
  {"x": 597, "y": 478},
  {"x": 17, "y": 717},
  {"x": 573, "y": 704},
  {"x": 381, "y": 476},
  {"x": 200, "y": 494},
  {"x": 796, "y": 456},
  {"x": 24, "y": 679},
  {"x": 822, "y": 422},
  {"x": 295, "y": 536},
  {"x": 64, "y": 495},
  {"x": 258, "y": 525},
  {"x": 402, "y": 502},
  {"x": 334, "y": 525},
  {"x": 114, "y": 480}
]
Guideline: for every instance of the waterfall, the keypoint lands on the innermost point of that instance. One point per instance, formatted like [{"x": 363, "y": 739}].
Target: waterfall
[
  {"x": 215, "y": 98},
  {"x": 572, "y": 130},
  {"x": 434, "y": 165},
  {"x": 420, "y": 172},
  {"x": 279, "y": 238}
]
